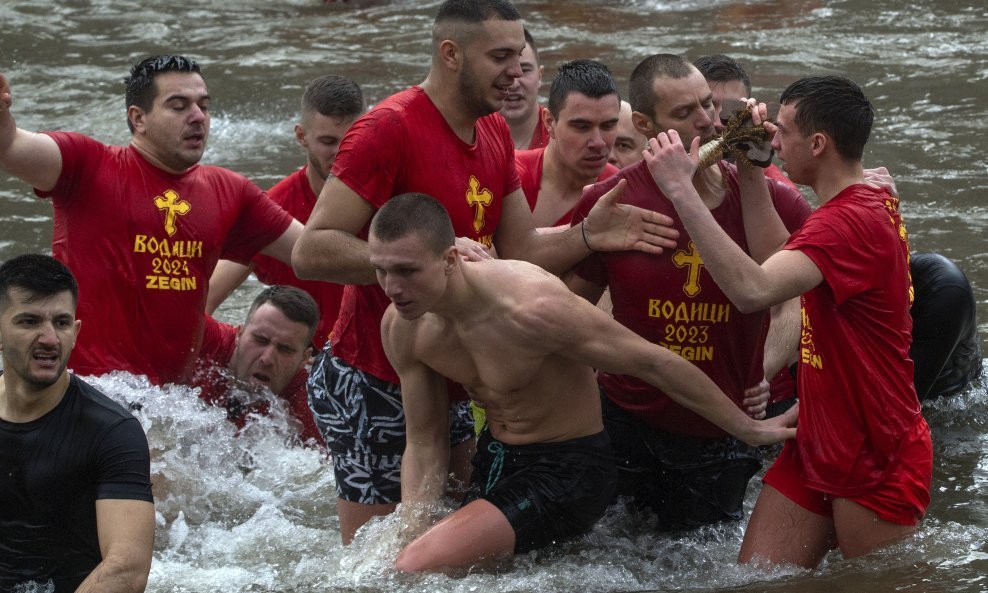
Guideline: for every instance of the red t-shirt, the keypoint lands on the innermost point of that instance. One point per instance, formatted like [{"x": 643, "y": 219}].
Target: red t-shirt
[
  {"x": 295, "y": 195},
  {"x": 404, "y": 144},
  {"x": 540, "y": 137},
  {"x": 673, "y": 301},
  {"x": 857, "y": 399},
  {"x": 142, "y": 244},
  {"x": 212, "y": 376},
  {"x": 529, "y": 166},
  {"x": 775, "y": 173}
]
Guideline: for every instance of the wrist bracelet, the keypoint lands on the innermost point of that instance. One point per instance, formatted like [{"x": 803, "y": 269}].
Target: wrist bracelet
[{"x": 583, "y": 228}]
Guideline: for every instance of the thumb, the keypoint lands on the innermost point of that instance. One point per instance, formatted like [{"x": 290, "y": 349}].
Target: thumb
[
  {"x": 611, "y": 197},
  {"x": 695, "y": 149}
]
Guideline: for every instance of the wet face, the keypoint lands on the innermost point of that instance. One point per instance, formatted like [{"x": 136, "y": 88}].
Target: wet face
[
  {"x": 36, "y": 336},
  {"x": 174, "y": 131},
  {"x": 584, "y": 132},
  {"x": 731, "y": 90},
  {"x": 523, "y": 96},
  {"x": 410, "y": 273},
  {"x": 491, "y": 61},
  {"x": 795, "y": 149},
  {"x": 685, "y": 105},
  {"x": 270, "y": 349},
  {"x": 321, "y": 135},
  {"x": 629, "y": 143}
]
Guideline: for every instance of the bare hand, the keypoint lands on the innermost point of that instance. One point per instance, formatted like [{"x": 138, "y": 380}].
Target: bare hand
[
  {"x": 471, "y": 250},
  {"x": 756, "y": 400},
  {"x": 774, "y": 430},
  {"x": 671, "y": 166},
  {"x": 879, "y": 177},
  {"x": 612, "y": 226}
]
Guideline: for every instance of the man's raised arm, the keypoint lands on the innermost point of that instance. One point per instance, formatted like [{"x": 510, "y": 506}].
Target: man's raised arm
[{"x": 35, "y": 158}]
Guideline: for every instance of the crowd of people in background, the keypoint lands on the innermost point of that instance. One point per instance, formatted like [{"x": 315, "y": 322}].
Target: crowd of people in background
[{"x": 538, "y": 311}]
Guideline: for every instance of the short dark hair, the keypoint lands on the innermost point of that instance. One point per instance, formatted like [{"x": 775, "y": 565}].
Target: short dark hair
[
  {"x": 141, "y": 89},
  {"x": 459, "y": 12},
  {"x": 418, "y": 213},
  {"x": 835, "y": 105},
  {"x": 531, "y": 43},
  {"x": 296, "y": 304},
  {"x": 641, "y": 93},
  {"x": 333, "y": 95},
  {"x": 41, "y": 275},
  {"x": 587, "y": 77},
  {"x": 721, "y": 68}
]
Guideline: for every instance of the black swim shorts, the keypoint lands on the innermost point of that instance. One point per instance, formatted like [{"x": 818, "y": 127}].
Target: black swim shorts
[{"x": 548, "y": 491}]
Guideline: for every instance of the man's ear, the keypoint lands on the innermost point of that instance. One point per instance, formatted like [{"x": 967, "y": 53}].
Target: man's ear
[
  {"x": 818, "y": 143},
  {"x": 450, "y": 54},
  {"x": 136, "y": 115},
  {"x": 550, "y": 123},
  {"x": 300, "y": 134},
  {"x": 643, "y": 124},
  {"x": 452, "y": 258}
]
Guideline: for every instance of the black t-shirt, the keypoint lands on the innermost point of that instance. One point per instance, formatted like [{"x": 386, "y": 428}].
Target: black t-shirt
[{"x": 52, "y": 471}]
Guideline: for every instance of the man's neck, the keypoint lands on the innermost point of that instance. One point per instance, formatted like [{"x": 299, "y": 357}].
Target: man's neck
[
  {"x": 150, "y": 157},
  {"x": 834, "y": 177},
  {"x": 23, "y": 402},
  {"x": 448, "y": 101},
  {"x": 522, "y": 132},
  {"x": 316, "y": 181}
]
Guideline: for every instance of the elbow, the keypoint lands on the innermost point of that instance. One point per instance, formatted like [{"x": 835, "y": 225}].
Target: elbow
[{"x": 301, "y": 263}]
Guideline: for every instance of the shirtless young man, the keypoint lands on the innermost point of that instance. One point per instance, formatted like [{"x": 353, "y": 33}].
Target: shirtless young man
[
  {"x": 858, "y": 473},
  {"x": 524, "y": 346},
  {"x": 444, "y": 138}
]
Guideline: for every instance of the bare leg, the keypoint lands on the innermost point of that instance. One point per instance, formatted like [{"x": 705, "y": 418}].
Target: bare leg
[
  {"x": 353, "y": 515},
  {"x": 479, "y": 531},
  {"x": 780, "y": 531},
  {"x": 860, "y": 530}
]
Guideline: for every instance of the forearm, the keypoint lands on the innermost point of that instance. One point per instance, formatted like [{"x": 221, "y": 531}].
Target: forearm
[
  {"x": 227, "y": 276},
  {"x": 423, "y": 482},
  {"x": 554, "y": 252},
  {"x": 117, "y": 574},
  {"x": 739, "y": 276},
  {"x": 333, "y": 256},
  {"x": 691, "y": 388},
  {"x": 764, "y": 230}
]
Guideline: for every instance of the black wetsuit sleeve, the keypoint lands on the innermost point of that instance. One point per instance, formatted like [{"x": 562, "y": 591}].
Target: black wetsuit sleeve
[{"x": 124, "y": 463}]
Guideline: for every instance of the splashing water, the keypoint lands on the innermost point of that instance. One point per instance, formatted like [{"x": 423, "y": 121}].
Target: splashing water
[{"x": 250, "y": 511}]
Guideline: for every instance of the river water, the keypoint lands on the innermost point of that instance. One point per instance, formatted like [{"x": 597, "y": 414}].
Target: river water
[{"x": 250, "y": 513}]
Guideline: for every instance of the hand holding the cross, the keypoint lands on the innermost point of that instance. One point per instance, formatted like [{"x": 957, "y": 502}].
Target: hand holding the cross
[{"x": 612, "y": 226}]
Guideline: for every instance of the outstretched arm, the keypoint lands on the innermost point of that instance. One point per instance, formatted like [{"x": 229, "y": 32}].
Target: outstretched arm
[
  {"x": 750, "y": 287},
  {"x": 35, "y": 158},
  {"x": 610, "y": 226},
  {"x": 126, "y": 537},
  {"x": 589, "y": 336}
]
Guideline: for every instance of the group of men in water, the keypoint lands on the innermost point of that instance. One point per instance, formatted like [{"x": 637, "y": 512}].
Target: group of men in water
[{"x": 451, "y": 261}]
